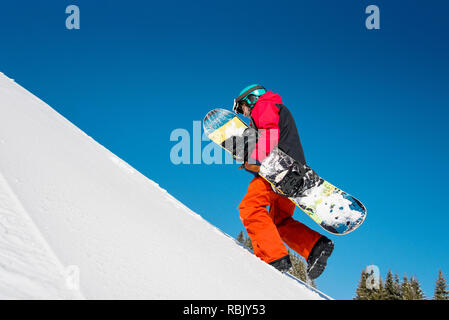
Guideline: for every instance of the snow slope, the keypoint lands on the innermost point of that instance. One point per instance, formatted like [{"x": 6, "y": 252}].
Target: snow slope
[{"x": 71, "y": 210}]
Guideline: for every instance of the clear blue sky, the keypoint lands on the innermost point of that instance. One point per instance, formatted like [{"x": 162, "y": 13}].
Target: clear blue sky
[{"x": 371, "y": 106}]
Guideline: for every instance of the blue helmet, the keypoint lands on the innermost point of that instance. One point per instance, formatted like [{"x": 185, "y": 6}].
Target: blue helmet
[{"x": 248, "y": 96}]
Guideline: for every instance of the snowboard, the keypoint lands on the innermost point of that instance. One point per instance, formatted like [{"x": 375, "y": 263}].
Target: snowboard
[{"x": 333, "y": 209}]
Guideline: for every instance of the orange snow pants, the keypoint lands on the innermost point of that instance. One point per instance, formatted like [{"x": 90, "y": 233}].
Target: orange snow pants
[{"x": 268, "y": 229}]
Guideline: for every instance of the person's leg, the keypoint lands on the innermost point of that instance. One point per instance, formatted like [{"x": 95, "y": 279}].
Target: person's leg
[
  {"x": 296, "y": 235},
  {"x": 267, "y": 243}
]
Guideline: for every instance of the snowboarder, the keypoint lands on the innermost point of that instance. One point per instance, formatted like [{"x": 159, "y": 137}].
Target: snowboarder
[{"x": 269, "y": 229}]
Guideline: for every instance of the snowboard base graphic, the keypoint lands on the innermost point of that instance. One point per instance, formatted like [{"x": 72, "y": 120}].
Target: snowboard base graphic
[{"x": 333, "y": 209}]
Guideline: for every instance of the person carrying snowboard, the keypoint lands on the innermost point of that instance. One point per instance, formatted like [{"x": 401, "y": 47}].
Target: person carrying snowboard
[{"x": 268, "y": 229}]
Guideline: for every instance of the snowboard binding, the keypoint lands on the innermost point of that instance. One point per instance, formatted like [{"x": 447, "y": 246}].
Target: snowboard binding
[{"x": 298, "y": 179}]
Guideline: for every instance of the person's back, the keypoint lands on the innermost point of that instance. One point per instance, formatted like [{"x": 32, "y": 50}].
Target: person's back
[{"x": 270, "y": 113}]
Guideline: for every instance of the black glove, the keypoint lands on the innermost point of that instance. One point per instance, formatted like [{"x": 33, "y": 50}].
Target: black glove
[{"x": 244, "y": 145}]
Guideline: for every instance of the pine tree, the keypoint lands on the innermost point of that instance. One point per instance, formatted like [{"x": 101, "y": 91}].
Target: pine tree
[
  {"x": 389, "y": 286},
  {"x": 392, "y": 287},
  {"x": 362, "y": 292},
  {"x": 299, "y": 269},
  {"x": 244, "y": 240},
  {"x": 441, "y": 292},
  {"x": 367, "y": 290},
  {"x": 406, "y": 289},
  {"x": 417, "y": 292},
  {"x": 397, "y": 287},
  {"x": 379, "y": 293},
  {"x": 241, "y": 238},
  {"x": 248, "y": 243}
]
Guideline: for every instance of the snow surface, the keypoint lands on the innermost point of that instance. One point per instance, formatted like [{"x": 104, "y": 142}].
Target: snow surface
[{"x": 70, "y": 209}]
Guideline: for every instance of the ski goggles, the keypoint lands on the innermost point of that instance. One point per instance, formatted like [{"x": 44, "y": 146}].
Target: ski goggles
[
  {"x": 238, "y": 107},
  {"x": 244, "y": 99}
]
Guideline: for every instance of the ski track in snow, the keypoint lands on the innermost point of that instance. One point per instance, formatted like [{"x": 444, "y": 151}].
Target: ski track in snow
[
  {"x": 67, "y": 200},
  {"x": 28, "y": 269}
]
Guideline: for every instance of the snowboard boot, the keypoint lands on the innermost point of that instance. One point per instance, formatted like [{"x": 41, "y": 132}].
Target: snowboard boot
[
  {"x": 317, "y": 260},
  {"x": 283, "y": 264}
]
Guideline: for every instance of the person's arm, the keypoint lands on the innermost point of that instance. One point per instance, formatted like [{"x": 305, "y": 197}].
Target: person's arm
[{"x": 266, "y": 119}]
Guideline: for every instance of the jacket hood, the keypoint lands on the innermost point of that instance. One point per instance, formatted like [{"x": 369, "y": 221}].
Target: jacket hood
[{"x": 270, "y": 96}]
